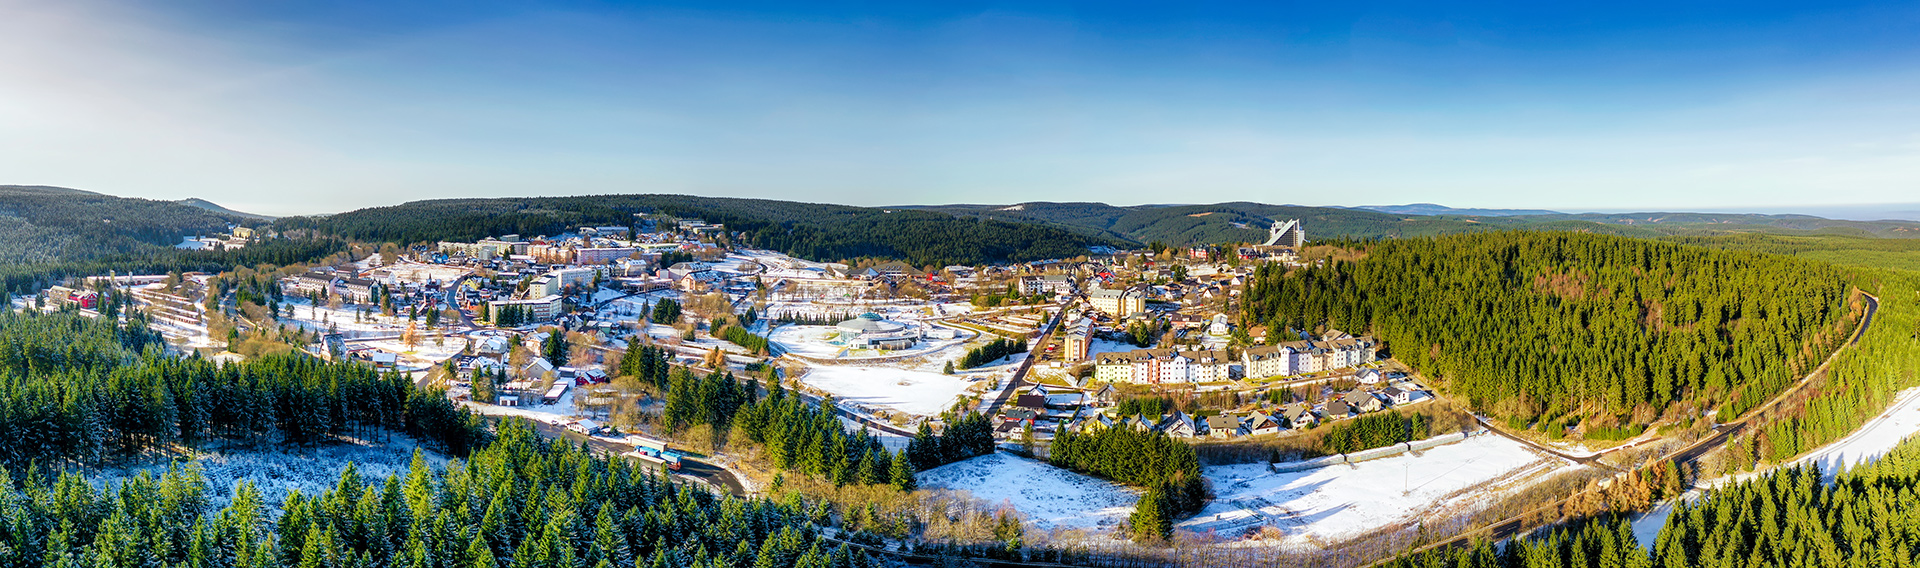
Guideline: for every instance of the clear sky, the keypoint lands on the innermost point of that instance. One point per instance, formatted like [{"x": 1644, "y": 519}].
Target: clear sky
[{"x": 285, "y": 107}]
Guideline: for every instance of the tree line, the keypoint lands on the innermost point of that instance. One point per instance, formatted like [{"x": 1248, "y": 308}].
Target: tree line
[
  {"x": 1540, "y": 325},
  {"x": 741, "y": 337},
  {"x": 966, "y": 435},
  {"x": 992, "y": 351},
  {"x": 1168, "y": 468},
  {"x": 1376, "y": 430},
  {"x": 520, "y": 502},
  {"x": 798, "y": 437}
]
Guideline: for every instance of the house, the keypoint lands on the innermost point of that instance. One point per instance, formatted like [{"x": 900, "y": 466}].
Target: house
[
  {"x": 1223, "y": 426},
  {"x": 1113, "y": 367},
  {"x": 1260, "y": 423},
  {"x": 555, "y": 392},
  {"x": 1119, "y": 303},
  {"x": 1107, "y": 394},
  {"x": 1018, "y": 415},
  {"x": 536, "y": 368},
  {"x": 1180, "y": 425},
  {"x": 584, "y": 426},
  {"x": 1078, "y": 340},
  {"x": 1338, "y": 408},
  {"x": 889, "y": 270},
  {"x": 1368, "y": 376},
  {"x": 1208, "y": 366},
  {"x": 493, "y": 345},
  {"x": 1397, "y": 396},
  {"x": 1057, "y": 283},
  {"x": 1363, "y": 401},
  {"x": 1267, "y": 361},
  {"x": 1300, "y": 415},
  {"x": 356, "y": 290},
  {"x": 1031, "y": 401},
  {"x": 1140, "y": 422},
  {"x": 1066, "y": 400}
]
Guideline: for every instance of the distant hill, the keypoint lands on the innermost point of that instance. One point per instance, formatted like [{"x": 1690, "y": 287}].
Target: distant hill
[
  {"x": 216, "y": 208},
  {"x": 1216, "y": 223},
  {"x": 51, "y": 224},
  {"x": 807, "y": 230},
  {"x": 1247, "y": 222},
  {"x": 1436, "y": 209}
]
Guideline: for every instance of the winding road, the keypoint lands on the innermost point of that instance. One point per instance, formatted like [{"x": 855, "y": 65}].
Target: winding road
[{"x": 710, "y": 474}]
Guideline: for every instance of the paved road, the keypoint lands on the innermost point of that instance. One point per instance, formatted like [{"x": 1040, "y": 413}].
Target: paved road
[
  {"x": 1020, "y": 376},
  {"x": 713, "y": 475}
]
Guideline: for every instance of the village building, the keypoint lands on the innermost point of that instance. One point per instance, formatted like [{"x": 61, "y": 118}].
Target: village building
[
  {"x": 870, "y": 331},
  {"x": 1362, "y": 401},
  {"x": 1118, "y": 303}
]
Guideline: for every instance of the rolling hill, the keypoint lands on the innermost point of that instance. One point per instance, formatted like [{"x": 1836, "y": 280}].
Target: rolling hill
[
  {"x": 807, "y": 230},
  {"x": 216, "y": 208},
  {"x": 1247, "y": 222},
  {"x": 54, "y": 224}
]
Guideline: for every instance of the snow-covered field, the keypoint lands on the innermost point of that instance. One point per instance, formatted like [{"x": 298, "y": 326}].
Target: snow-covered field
[
  {"x": 560, "y": 412},
  {"x": 1047, "y": 496},
  {"x": 321, "y": 318},
  {"x": 892, "y": 442},
  {"x": 1331, "y": 503},
  {"x": 630, "y": 308},
  {"x": 913, "y": 392},
  {"x": 277, "y": 472},
  {"x": 816, "y": 341},
  {"x": 1109, "y": 346},
  {"x": 1902, "y": 419}
]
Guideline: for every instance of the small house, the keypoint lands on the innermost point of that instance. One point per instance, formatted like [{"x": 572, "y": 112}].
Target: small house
[
  {"x": 1397, "y": 396},
  {"x": 1260, "y": 423},
  {"x": 1223, "y": 426},
  {"x": 1363, "y": 401},
  {"x": 1180, "y": 425},
  {"x": 1300, "y": 415}
]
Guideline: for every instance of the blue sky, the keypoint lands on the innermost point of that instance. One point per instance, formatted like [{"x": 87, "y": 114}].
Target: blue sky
[{"x": 300, "y": 107}]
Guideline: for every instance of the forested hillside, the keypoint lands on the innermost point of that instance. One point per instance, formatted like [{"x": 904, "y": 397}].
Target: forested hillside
[
  {"x": 807, "y": 230},
  {"x": 78, "y": 391},
  {"x": 1575, "y": 328},
  {"x": 49, "y": 224}
]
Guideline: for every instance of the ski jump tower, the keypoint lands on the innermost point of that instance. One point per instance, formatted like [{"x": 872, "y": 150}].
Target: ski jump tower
[{"x": 1287, "y": 234}]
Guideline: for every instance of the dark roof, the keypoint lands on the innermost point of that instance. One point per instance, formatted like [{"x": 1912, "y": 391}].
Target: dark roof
[{"x": 1031, "y": 401}]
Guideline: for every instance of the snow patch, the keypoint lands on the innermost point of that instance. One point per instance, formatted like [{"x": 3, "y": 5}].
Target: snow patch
[
  {"x": 279, "y": 471},
  {"x": 1046, "y": 495},
  {"x": 913, "y": 392}
]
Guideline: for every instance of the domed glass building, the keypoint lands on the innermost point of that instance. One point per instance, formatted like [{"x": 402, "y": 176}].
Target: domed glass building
[{"x": 871, "y": 331}]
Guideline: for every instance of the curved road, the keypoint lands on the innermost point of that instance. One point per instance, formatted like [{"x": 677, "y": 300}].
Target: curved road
[{"x": 713, "y": 475}]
